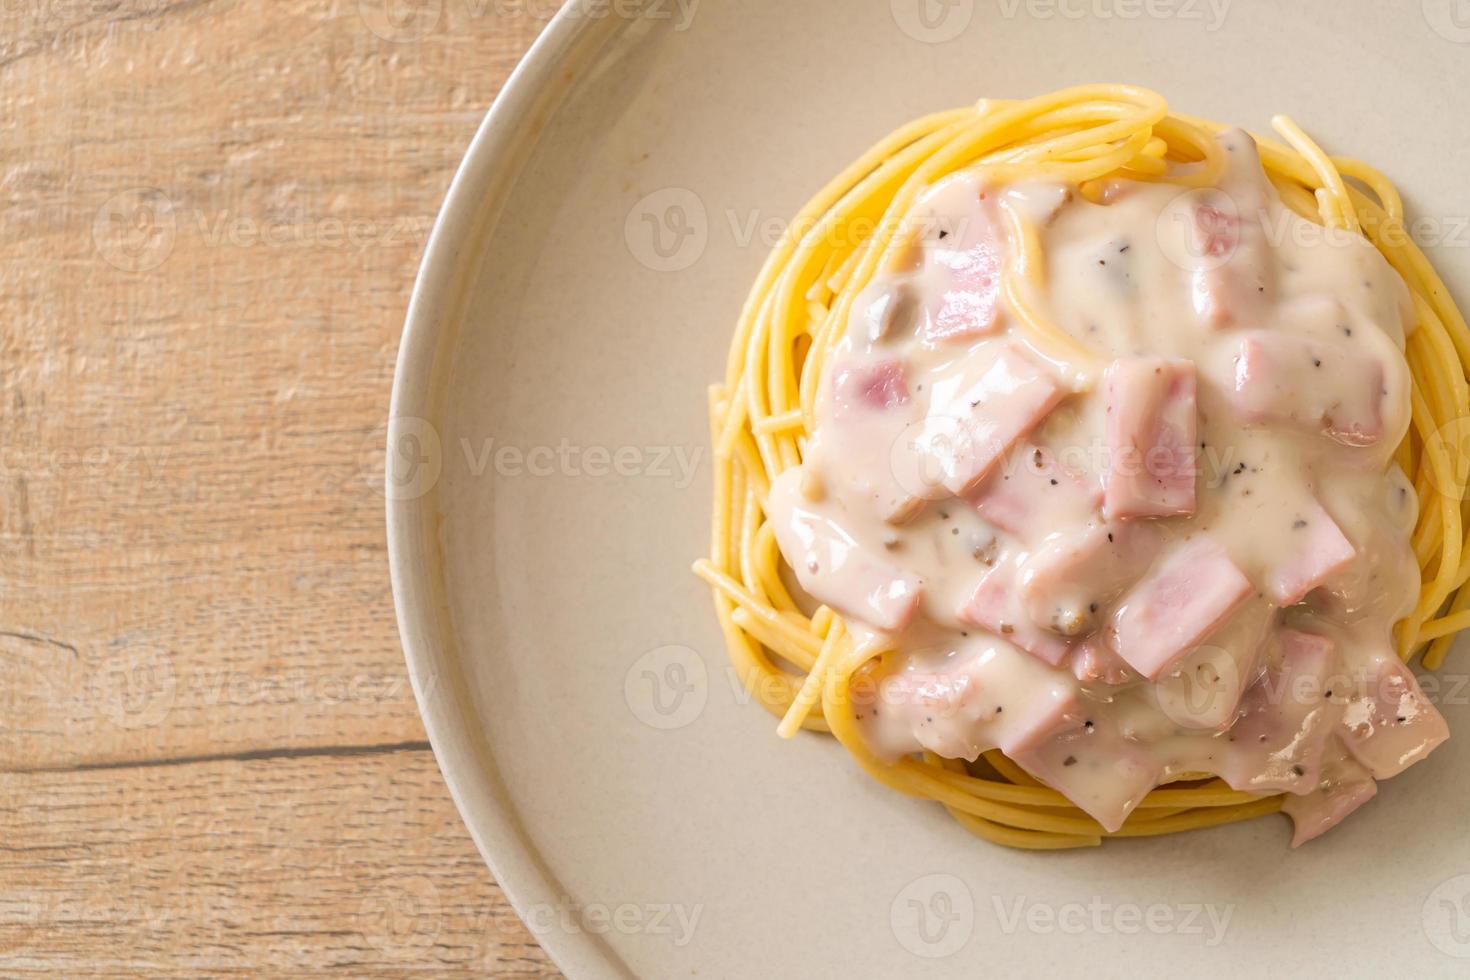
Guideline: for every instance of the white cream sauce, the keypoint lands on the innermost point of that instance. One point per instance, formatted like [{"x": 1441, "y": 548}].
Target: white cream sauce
[{"x": 1189, "y": 561}]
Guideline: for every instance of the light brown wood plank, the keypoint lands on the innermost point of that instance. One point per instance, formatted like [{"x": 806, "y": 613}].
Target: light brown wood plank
[
  {"x": 210, "y": 218},
  {"x": 352, "y": 863}
]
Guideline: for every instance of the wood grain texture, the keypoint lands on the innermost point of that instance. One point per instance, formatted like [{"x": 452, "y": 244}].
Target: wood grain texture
[
  {"x": 352, "y": 863},
  {"x": 210, "y": 217}
]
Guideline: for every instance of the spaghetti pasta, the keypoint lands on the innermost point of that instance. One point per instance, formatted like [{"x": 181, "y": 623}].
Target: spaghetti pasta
[{"x": 808, "y": 670}]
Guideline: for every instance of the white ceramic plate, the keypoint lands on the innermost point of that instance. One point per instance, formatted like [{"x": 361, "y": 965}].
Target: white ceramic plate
[{"x": 549, "y": 483}]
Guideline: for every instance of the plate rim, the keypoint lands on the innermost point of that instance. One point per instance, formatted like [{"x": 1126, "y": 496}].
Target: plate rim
[{"x": 509, "y": 129}]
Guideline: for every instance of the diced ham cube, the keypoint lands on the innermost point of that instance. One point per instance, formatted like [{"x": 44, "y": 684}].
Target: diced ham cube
[
  {"x": 1205, "y": 689},
  {"x": 871, "y": 386},
  {"x": 988, "y": 695},
  {"x": 1286, "y": 719},
  {"x": 834, "y": 568},
  {"x": 1176, "y": 606},
  {"x": 969, "y": 264},
  {"x": 1094, "y": 663},
  {"x": 1344, "y": 787},
  {"x": 1316, "y": 385},
  {"x": 944, "y": 710},
  {"x": 1151, "y": 437},
  {"x": 1069, "y": 582},
  {"x": 1091, "y": 763},
  {"x": 1035, "y": 722},
  {"x": 993, "y": 399},
  {"x": 1032, "y": 493},
  {"x": 1227, "y": 283},
  {"x": 1389, "y": 725},
  {"x": 1320, "y": 550},
  {"x": 1231, "y": 279},
  {"x": 995, "y": 606}
]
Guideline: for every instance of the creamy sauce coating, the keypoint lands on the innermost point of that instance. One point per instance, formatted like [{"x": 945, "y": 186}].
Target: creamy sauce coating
[{"x": 1185, "y": 558}]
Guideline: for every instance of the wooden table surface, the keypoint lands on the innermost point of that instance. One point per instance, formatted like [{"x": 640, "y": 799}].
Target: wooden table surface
[{"x": 212, "y": 214}]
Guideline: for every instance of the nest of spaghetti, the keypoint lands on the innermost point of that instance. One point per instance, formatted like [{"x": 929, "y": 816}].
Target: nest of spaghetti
[{"x": 814, "y": 669}]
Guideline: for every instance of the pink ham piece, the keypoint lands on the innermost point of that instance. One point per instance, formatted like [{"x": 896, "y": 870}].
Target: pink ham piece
[
  {"x": 871, "y": 407},
  {"x": 1319, "y": 551},
  {"x": 1032, "y": 492},
  {"x": 942, "y": 709},
  {"x": 1315, "y": 385},
  {"x": 1090, "y": 762},
  {"x": 1345, "y": 786},
  {"x": 1388, "y": 725},
  {"x": 1231, "y": 279},
  {"x": 995, "y": 606},
  {"x": 965, "y": 706},
  {"x": 1171, "y": 611},
  {"x": 873, "y": 386},
  {"x": 969, "y": 260},
  {"x": 1151, "y": 437},
  {"x": 1068, "y": 582},
  {"x": 997, "y": 396},
  {"x": 1286, "y": 719},
  {"x": 1093, "y": 663}
]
